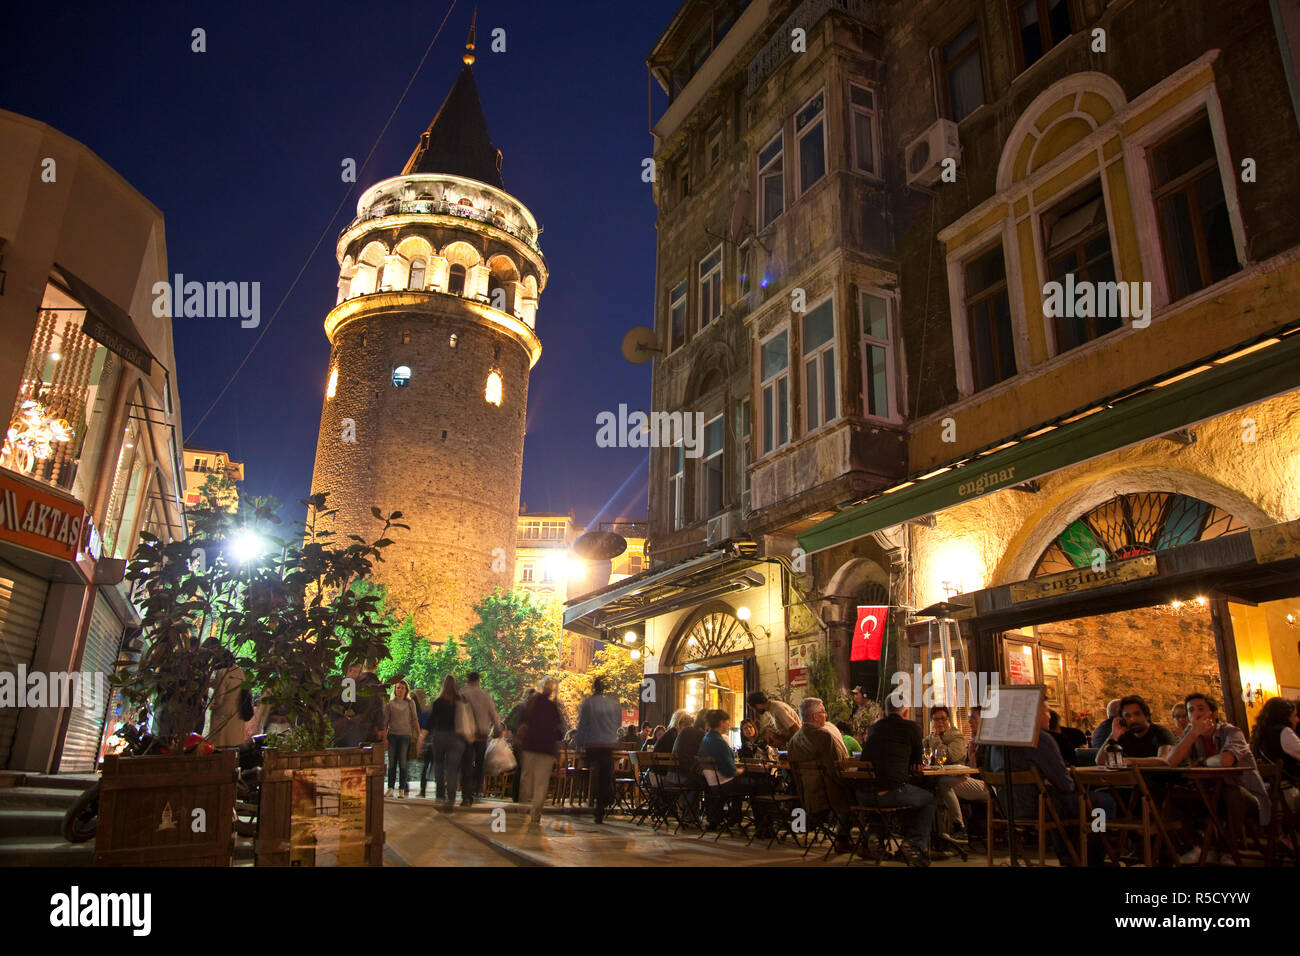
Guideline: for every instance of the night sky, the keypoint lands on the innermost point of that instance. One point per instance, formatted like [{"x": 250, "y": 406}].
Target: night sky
[{"x": 241, "y": 148}]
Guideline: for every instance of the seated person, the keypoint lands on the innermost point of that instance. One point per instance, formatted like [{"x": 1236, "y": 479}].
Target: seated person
[
  {"x": 1178, "y": 713},
  {"x": 1210, "y": 742},
  {"x": 821, "y": 744},
  {"x": 1067, "y": 738},
  {"x": 846, "y": 734},
  {"x": 1275, "y": 741},
  {"x": 732, "y": 780},
  {"x": 752, "y": 746},
  {"x": 1134, "y": 732},
  {"x": 1103, "y": 728},
  {"x": 687, "y": 747},
  {"x": 952, "y": 790},
  {"x": 680, "y": 718},
  {"x": 1046, "y": 757},
  {"x": 893, "y": 748}
]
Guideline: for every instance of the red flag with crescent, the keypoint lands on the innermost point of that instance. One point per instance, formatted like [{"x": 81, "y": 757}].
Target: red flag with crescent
[{"x": 868, "y": 634}]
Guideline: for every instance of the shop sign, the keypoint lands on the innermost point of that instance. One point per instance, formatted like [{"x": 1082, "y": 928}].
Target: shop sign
[
  {"x": 38, "y": 519},
  {"x": 801, "y": 655},
  {"x": 1084, "y": 579},
  {"x": 1277, "y": 542}
]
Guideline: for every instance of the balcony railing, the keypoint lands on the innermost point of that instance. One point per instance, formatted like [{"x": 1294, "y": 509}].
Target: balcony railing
[
  {"x": 807, "y": 15},
  {"x": 436, "y": 207}
]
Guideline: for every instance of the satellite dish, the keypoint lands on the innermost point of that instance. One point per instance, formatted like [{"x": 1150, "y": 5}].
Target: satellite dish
[
  {"x": 639, "y": 343},
  {"x": 740, "y": 214},
  {"x": 600, "y": 545}
]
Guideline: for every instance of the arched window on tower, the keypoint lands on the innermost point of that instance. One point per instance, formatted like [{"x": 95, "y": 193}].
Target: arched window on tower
[
  {"x": 497, "y": 295},
  {"x": 456, "y": 280},
  {"x": 401, "y": 376},
  {"x": 417, "y": 275},
  {"x": 493, "y": 391},
  {"x": 333, "y": 385}
]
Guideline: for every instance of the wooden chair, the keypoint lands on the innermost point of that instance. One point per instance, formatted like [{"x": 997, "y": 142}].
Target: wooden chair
[
  {"x": 820, "y": 825},
  {"x": 1285, "y": 822},
  {"x": 1138, "y": 813},
  {"x": 867, "y": 817},
  {"x": 726, "y": 809},
  {"x": 1045, "y": 820}
]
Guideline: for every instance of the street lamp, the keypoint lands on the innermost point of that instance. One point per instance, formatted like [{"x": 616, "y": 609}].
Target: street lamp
[{"x": 246, "y": 546}]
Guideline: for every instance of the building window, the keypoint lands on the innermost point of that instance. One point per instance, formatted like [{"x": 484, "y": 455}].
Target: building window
[
  {"x": 526, "y": 575},
  {"x": 1042, "y": 25},
  {"x": 533, "y": 529},
  {"x": 711, "y": 468},
  {"x": 1195, "y": 232},
  {"x": 775, "y": 367},
  {"x": 200, "y": 464},
  {"x": 406, "y": 336},
  {"x": 988, "y": 319},
  {"x": 682, "y": 177},
  {"x": 865, "y": 129},
  {"x": 810, "y": 131},
  {"x": 711, "y": 286},
  {"x": 771, "y": 180},
  {"x": 677, "y": 488},
  {"x": 677, "y": 317},
  {"x": 963, "y": 78},
  {"x": 713, "y": 148},
  {"x": 333, "y": 385},
  {"x": 878, "y": 374},
  {"x": 820, "y": 395},
  {"x": 634, "y": 563},
  {"x": 417, "y": 275},
  {"x": 493, "y": 391},
  {"x": 401, "y": 376},
  {"x": 1078, "y": 243},
  {"x": 743, "y": 281},
  {"x": 745, "y": 428},
  {"x": 452, "y": 339},
  {"x": 456, "y": 280}
]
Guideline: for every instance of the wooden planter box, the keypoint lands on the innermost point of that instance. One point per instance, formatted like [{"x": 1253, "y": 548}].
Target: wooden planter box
[
  {"x": 322, "y": 808},
  {"x": 146, "y": 810}
]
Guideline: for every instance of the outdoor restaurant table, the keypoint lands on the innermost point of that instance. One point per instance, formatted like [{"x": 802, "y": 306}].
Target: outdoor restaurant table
[{"x": 1200, "y": 778}]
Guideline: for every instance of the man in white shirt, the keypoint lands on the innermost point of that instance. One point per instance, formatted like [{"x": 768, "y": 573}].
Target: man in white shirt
[
  {"x": 777, "y": 720},
  {"x": 486, "y": 719}
]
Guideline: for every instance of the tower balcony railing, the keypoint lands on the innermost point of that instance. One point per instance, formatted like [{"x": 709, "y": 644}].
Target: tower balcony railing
[{"x": 437, "y": 207}]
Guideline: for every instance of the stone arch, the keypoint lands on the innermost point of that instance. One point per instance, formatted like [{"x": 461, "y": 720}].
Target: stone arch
[
  {"x": 461, "y": 253},
  {"x": 370, "y": 264},
  {"x": 413, "y": 253},
  {"x": 710, "y": 370},
  {"x": 854, "y": 576},
  {"x": 1060, "y": 116},
  {"x": 347, "y": 272},
  {"x": 736, "y": 640},
  {"x": 1038, "y": 532},
  {"x": 503, "y": 275},
  {"x": 528, "y": 300}
]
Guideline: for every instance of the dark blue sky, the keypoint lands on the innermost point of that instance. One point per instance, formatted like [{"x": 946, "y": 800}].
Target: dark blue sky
[{"x": 241, "y": 148}]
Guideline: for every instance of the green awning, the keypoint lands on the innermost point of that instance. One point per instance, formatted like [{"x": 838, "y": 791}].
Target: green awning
[{"x": 1142, "y": 415}]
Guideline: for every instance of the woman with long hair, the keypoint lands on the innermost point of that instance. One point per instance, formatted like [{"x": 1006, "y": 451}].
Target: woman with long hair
[
  {"x": 1275, "y": 739},
  {"x": 542, "y": 726},
  {"x": 448, "y": 746},
  {"x": 402, "y": 720}
]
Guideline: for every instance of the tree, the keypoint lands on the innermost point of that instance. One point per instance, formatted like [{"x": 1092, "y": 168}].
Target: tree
[
  {"x": 825, "y": 684},
  {"x": 512, "y": 646}
]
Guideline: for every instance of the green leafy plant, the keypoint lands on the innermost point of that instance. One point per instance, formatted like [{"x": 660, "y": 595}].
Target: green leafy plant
[
  {"x": 513, "y": 645},
  {"x": 825, "y": 683}
]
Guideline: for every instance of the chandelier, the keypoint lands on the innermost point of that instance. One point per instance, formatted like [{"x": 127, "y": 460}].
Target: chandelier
[{"x": 31, "y": 437}]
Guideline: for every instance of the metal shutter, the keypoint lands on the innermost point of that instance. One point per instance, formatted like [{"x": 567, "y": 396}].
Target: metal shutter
[
  {"x": 22, "y": 604},
  {"x": 85, "y": 726}
]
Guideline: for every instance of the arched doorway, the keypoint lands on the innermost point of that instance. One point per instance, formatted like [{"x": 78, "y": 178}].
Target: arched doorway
[{"x": 713, "y": 663}]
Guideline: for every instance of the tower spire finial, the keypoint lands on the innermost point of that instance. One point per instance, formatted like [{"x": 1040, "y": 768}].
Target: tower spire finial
[{"x": 468, "y": 58}]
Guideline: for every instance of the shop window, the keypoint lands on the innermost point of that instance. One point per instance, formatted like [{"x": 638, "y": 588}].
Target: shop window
[
  {"x": 677, "y": 317},
  {"x": 1077, "y": 242},
  {"x": 1041, "y": 25},
  {"x": 821, "y": 398},
  {"x": 711, "y": 471},
  {"x": 1195, "y": 231},
  {"x": 124, "y": 496},
  {"x": 878, "y": 373},
  {"x": 988, "y": 319},
  {"x": 59, "y": 420},
  {"x": 962, "y": 75},
  {"x": 810, "y": 132},
  {"x": 774, "y": 365},
  {"x": 771, "y": 180}
]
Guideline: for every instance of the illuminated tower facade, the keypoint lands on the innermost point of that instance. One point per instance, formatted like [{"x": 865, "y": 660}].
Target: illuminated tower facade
[{"x": 433, "y": 339}]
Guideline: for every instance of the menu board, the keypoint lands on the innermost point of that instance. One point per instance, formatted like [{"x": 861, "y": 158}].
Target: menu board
[{"x": 1014, "y": 723}]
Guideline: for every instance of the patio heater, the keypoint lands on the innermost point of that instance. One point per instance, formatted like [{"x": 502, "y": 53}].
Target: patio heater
[{"x": 943, "y": 631}]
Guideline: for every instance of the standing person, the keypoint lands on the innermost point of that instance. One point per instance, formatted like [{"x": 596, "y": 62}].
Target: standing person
[
  {"x": 514, "y": 720},
  {"x": 777, "y": 720},
  {"x": 597, "y": 735},
  {"x": 225, "y": 726},
  {"x": 448, "y": 746},
  {"x": 425, "y": 745},
  {"x": 402, "y": 721},
  {"x": 486, "y": 720},
  {"x": 542, "y": 727},
  {"x": 359, "y": 710}
]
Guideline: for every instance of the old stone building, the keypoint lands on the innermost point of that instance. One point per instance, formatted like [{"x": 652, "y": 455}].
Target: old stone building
[
  {"x": 433, "y": 340},
  {"x": 863, "y": 207}
]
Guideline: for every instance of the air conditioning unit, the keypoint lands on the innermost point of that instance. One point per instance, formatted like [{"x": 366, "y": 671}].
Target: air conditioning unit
[
  {"x": 720, "y": 529},
  {"x": 925, "y": 156}
]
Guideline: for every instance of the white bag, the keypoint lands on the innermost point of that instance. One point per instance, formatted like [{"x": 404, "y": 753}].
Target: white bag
[{"x": 499, "y": 757}]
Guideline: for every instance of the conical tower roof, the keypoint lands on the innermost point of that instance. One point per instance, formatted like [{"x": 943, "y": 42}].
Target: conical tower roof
[{"x": 457, "y": 141}]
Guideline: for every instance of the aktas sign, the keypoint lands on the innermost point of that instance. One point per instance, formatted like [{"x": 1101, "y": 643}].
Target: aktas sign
[{"x": 38, "y": 519}]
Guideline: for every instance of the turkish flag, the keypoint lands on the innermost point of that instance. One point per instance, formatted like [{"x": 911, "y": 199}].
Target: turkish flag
[{"x": 868, "y": 634}]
